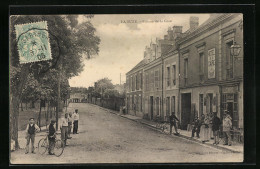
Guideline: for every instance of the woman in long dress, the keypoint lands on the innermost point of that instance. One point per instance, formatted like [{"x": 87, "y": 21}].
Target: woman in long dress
[{"x": 204, "y": 129}]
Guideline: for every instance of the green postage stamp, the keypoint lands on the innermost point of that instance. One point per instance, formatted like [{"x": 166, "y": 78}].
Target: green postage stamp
[{"x": 33, "y": 42}]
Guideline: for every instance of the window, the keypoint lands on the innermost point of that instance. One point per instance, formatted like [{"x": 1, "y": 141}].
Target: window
[
  {"x": 151, "y": 80},
  {"x": 157, "y": 105},
  {"x": 229, "y": 102},
  {"x": 168, "y": 76},
  {"x": 167, "y": 106},
  {"x": 130, "y": 84},
  {"x": 146, "y": 82},
  {"x": 140, "y": 102},
  {"x": 174, "y": 75},
  {"x": 141, "y": 80},
  {"x": 229, "y": 61},
  {"x": 201, "y": 63},
  {"x": 185, "y": 70},
  {"x": 201, "y": 104},
  {"x": 137, "y": 103},
  {"x": 156, "y": 77},
  {"x": 133, "y": 83},
  {"x": 173, "y": 104},
  {"x": 137, "y": 81}
]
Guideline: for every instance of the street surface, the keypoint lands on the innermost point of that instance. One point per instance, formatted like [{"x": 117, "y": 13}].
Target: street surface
[{"x": 107, "y": 138}]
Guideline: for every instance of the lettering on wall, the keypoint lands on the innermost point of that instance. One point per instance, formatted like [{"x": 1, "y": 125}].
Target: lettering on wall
[{"x": 211, "y": 63}]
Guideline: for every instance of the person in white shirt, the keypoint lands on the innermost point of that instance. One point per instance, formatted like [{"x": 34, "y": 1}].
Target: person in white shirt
[
  {"x": 64, "y": 128},
  {"x": 76, "y": 122},
  {"x": 30, "y": 134}
]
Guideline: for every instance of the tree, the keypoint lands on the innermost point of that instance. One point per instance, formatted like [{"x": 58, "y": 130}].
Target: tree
[
  {"x": 67, "y": 44},
  {"x": 103, "y": 84},
  {"x": 111, "y": 93}
]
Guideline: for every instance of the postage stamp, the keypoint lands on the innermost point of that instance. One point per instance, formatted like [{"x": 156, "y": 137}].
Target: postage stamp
[{"x": 33, "y": 42}]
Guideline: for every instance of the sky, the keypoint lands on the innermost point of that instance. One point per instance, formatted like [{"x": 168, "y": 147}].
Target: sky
[{"x": 123, "y": 40}]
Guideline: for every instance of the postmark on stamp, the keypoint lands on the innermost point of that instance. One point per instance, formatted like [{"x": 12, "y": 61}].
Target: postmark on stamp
[{"x": 33, "y": 42}]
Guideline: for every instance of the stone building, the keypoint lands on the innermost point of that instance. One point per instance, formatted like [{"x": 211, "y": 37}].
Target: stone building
[
  {"x": 134, "y": 90},
  {"x": 211, "y": 78},
  {"x": 191, "y": 73}
]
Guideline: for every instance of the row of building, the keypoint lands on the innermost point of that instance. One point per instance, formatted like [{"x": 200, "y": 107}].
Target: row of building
[{"x": 191, "y": 73}]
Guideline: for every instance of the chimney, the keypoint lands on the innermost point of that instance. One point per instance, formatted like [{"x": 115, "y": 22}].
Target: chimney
[
  {"x": 165, "y": 37},
  {"x": 177, "y": 31},
  {"x": 194, "y": 22},
  {"x": 170, "y": 33}
]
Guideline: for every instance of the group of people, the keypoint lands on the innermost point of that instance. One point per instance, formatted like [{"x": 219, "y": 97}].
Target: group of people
[
  {"x": 66, "y": 123},
  {"x": 208, "y": 127}
]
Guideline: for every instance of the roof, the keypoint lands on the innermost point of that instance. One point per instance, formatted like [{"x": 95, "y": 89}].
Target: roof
[
  {"x": 137, "y": 66},
  {"x": 214, "y": 18}
]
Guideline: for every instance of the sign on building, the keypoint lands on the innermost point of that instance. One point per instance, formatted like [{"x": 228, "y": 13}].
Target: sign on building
[{"x": 211, "y": 63}]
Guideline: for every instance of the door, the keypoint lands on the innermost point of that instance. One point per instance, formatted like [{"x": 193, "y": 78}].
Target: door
[
  {"x": 151, "y": 107},
  {"x": 186, "y": 110}
]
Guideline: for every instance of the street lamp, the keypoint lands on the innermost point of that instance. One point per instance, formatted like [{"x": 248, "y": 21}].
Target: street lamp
[{"x": 235, "y": 50}]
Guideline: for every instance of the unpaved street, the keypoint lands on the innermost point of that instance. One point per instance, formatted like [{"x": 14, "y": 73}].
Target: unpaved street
[{"x": 108, "y": 138}]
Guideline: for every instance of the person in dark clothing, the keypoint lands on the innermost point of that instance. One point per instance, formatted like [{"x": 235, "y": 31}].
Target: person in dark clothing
[
  {"x": 216, "y": 122},
  {"x": 31, "y": 129},
  {"x": 51, "y": 137},
  {"x": 196, "y": 127},
  {"x": 173, "y": 122}
]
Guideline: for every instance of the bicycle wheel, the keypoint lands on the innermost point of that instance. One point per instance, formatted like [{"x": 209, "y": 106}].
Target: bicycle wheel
[
  {"x": 42, "y": 146},
  {"x": 58, "y": 148}
]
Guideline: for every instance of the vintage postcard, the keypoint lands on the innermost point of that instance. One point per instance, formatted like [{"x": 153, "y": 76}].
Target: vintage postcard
[{"x": 126, "y": 88}]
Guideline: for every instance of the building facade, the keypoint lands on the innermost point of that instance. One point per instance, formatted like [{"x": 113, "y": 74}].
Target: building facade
[
  {"x": 211, "y": 79},
  {"x": 191, "y": 73},
  {"x": 134, "y": 90}
]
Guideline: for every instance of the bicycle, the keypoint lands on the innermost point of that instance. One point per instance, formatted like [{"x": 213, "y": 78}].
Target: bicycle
[
  {"x": 161, "y": 125},
  {"x": 43, "y": 145}
]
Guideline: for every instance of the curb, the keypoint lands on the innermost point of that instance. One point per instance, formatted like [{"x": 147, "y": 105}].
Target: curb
[{"x": 180, "y": 135}]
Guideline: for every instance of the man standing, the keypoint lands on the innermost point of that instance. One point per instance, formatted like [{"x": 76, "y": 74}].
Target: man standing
[
  {"x": 227, "y": 124},
  {"x": 30, "y": 134},
  {"x": 173, "y": 120},
  {"x": 215, "y": 127},
  {"x": 76, "y": 122},
  {"x": 196, "y": 127},
  {"x": 51, "y": 137},
  {"x": 64, "y": 129}
]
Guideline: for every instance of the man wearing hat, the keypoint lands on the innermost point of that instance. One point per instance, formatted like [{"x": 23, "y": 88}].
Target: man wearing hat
[
  {"x": 64, "y": 128},
  {"x": 75, "y": 122},
  {"x": 51, "y": 137},
  {"x": 227, "y": 125}
]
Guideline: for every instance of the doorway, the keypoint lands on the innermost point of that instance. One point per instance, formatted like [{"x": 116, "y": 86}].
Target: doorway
[
  {"x": 151, "y": 107},
  {"x": 186, "y": 110}
]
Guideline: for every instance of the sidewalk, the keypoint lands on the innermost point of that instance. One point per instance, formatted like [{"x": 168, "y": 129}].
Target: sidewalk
[{"x": 235, "y": 148}]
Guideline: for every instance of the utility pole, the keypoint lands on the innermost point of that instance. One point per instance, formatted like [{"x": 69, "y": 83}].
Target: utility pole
[{"x": 120, "y": 78}]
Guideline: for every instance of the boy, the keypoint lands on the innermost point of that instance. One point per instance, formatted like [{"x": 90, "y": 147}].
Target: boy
[
  {"x": 51, "y": 137},
  {"x": 30, "y": 134}
]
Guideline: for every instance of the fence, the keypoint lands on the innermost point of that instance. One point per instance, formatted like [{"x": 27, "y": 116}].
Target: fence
[{"x": 110, "y": 103}]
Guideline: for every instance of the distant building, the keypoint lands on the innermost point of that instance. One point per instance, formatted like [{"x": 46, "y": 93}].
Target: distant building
[{"x": 77, "y": 97}]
